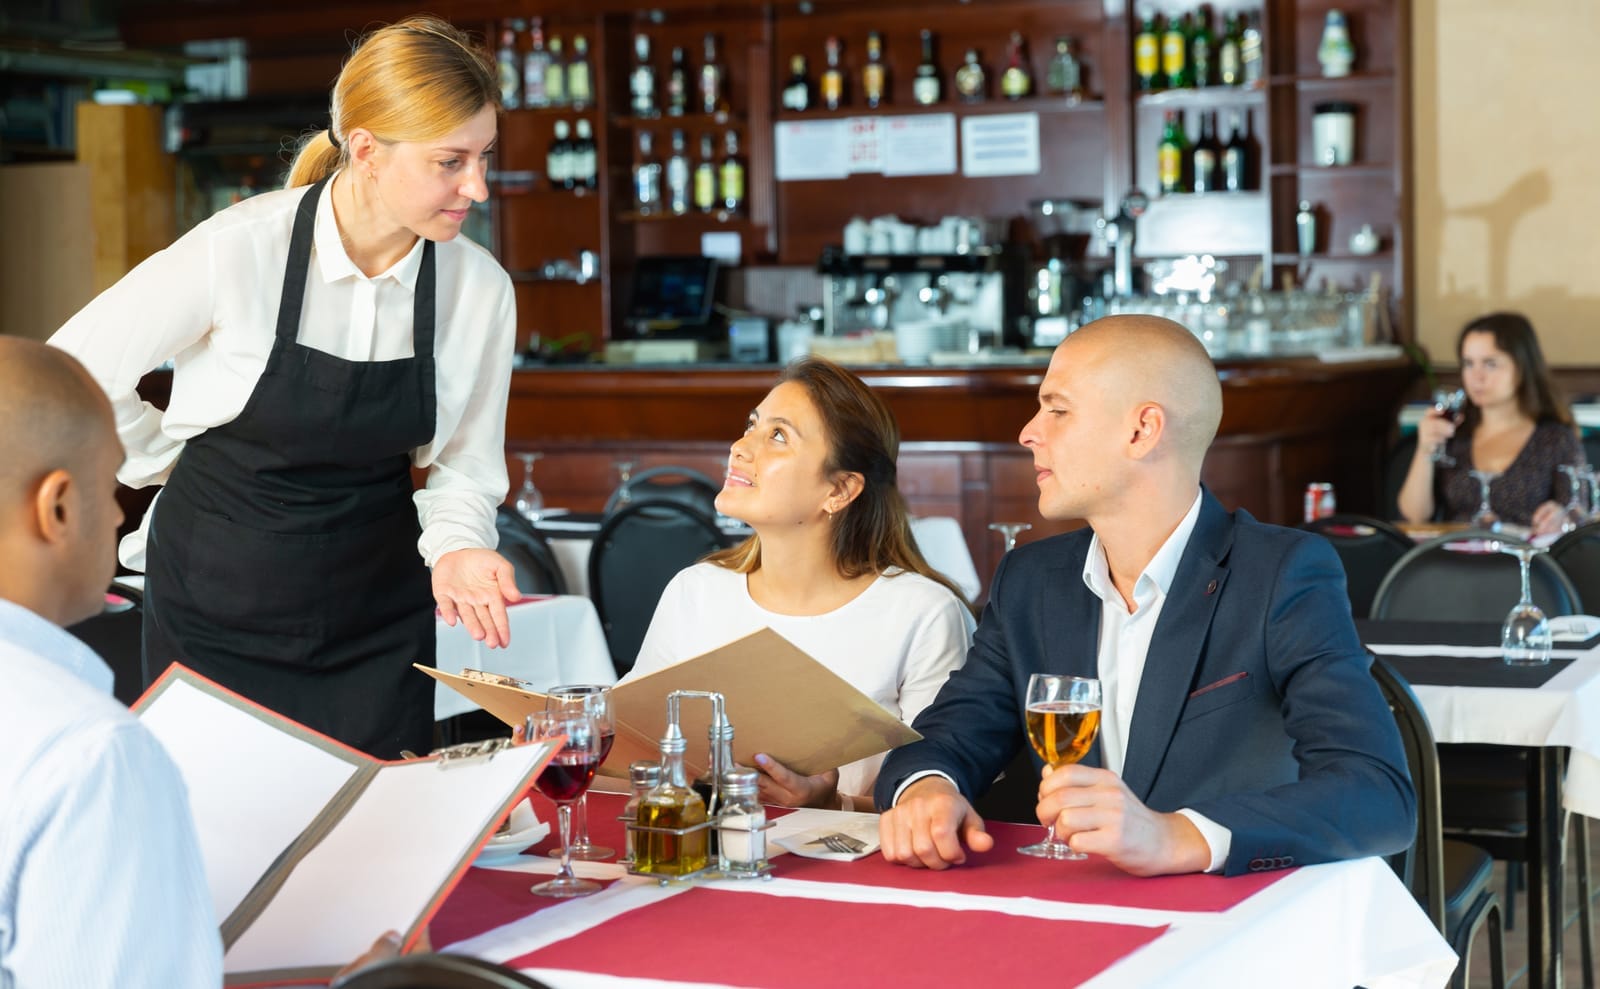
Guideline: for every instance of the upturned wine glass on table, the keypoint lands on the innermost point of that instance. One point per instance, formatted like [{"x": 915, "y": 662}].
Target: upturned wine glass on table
[
  {"x": 1009, "y": 532},
  {"x": 1062, "y": 718},
  {"x": 1525, "y": 638},
  {"x": 564, "y": 779},
  {"x": 529, "y": 502},
  {"x": 595, "y": 700}
]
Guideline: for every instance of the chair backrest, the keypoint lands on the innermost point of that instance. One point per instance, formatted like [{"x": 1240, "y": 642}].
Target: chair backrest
[
  {"x": 432, "y": 971},
  {"x": 636, "y": 553},
  {"x": 1578, "y": 555},
  {"x": 529, "y": 554},
  {"x": 684, "y": 485},
  {"x": 1368, "y": 548},
  {"x": 116, "y": 634},
  {"x": 1432, "y": 583},
  {"x": 1395, "y": 467},
  {"x": 1420, "y": 867}
]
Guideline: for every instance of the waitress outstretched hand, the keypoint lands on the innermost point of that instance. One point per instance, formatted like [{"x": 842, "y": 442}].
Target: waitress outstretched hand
[{"x": 474, "y": 586}]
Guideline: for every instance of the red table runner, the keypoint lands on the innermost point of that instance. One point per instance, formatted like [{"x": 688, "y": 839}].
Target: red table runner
[
  {"x": 1002, "y": 872},
  {"x": 953, "y": 947}
]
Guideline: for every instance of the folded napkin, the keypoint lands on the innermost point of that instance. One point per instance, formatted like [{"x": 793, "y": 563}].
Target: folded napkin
[
  {"x": 808, "y": 843},
  {"x": 1574, "y": 628}
]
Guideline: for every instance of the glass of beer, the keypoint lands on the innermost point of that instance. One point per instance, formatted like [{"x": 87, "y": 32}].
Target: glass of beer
[{"x": 1062, "y": 717}]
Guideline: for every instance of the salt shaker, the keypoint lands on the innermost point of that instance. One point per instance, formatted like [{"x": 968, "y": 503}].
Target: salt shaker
[
  {"x": 645, "y": 776},
  {"x": 743, "y": 848}
]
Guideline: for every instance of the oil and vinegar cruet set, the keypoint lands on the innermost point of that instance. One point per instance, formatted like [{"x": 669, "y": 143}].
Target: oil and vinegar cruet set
[{"x": 713, "y": 828}]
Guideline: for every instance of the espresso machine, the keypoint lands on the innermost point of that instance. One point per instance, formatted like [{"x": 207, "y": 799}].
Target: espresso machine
[{"x": 970, "y": 301}]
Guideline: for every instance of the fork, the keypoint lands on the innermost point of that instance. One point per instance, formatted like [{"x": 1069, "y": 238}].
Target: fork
[{"x": 841, "y": 843}]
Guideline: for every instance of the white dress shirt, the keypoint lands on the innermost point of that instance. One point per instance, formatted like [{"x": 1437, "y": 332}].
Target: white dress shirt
[
  {"x": 210, "y": 302},
  {"x": 1124, "y": 646},
  {"x": 101, "y": 882},
  {"x": 897, "y": 641}
]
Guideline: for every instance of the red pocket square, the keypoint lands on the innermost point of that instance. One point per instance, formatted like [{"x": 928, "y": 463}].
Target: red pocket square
[{"x": 1220, "y": 683}]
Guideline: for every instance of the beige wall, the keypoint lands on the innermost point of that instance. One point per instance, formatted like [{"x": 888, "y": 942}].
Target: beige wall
[{"x": 1507, "y": 169}]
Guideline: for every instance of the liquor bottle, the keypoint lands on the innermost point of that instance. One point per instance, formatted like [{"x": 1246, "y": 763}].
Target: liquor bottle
[
  {"x": 642, "y": 80},
  {"x": 510, "y": 66},
  {"x": 1017, "y": 80},
  {"x": 647, "y": 176},
  {"x": 585, "y": 163},
  {"x": 1175, "y": 52},
  {"x": 535, "y": 68},
  {"x": 711, "y": 74},
  {"x": 705, "y": 177},
  {"x": 678, "y": 84},
  {"x": 671, "y": 806},
  {"x": 1203, "y": 159},
  {"x": 555, "y": 76},
  {"x": 1230, "y": 67},
  {"x": 1250, "y": 54},
  {"x": 557, "y": 159},
  {"x": 926, "y": 88},
  {"x": 1147, "y": 54},
  {"x": 1335, "y": 53},
  {"x": 732, "y": 173},
  {"x": 797, "y": 92},
  {"x": 970, "y": 83},
  {"x": 874, "y": 75},
  {"x": 1173, "y": 149},
  {"x": 1202, "y": 49},
  {"x": 678, "y": 175},
  {"x": 832, "y": 88},
  {"x": 580, "y": 87},
  {"x": 1066, "y": 72},
  {"x": 1236, "y": 157}
]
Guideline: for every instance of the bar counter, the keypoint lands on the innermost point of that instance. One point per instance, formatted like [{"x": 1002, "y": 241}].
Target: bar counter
[{"x": 1285, "y": 423}]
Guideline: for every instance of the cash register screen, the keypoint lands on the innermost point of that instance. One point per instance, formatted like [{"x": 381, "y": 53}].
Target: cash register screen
[{"x": 673, "y": 290}]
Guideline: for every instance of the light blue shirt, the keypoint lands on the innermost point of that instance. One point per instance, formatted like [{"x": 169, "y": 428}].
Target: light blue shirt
[{"x": 101, "y": 882}]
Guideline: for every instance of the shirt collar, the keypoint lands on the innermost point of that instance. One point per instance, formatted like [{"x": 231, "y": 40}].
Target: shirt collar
[
  {"x": 40, "y": 637},
  {"x": 334, "y": 264},
  {"x": 1158, "y": 573}
]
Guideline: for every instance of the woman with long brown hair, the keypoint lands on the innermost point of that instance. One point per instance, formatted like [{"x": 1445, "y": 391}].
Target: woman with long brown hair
[
  {"x": 832, "y": 566},
  {"x": 327, "y": 338},
  {"x": 1515, "y": 425}
]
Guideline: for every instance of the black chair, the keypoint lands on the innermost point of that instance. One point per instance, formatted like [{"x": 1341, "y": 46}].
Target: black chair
[
  {"x": 637, "y": 551},
  {"x": 1395, "y": 467},
  {"x": 1450, "y": 879},
  {"x": 1578, "y": 554},
  {"x": 1432, "y": 583},
  {"x": 435, "y": 971},
  {"x": 1368, "y": 548},
  {"x": 684, "y": 485},
  {"x": 116, "y": 635},
  {"x": 529, "y": 553}
]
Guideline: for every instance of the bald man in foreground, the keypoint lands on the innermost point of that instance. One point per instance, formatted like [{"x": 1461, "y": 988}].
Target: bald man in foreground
[{"x": 1241, "y": 730}]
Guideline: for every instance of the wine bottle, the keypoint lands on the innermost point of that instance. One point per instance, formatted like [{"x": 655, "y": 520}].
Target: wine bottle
[
  {"x": 1017, "y": 79},
  {"x": 705, "y": 178},
  {"x": 1202, "y": 49},
  {"x": 678, "y": 175},
  {"x": 797, "y": 92},
  {"x": 678, "y": 84},
  {"x": 580, "y": 87},
  {"x": 642, "y": 80},
  {"x": 1230, "y": 68},
  {"x": 509, "y": 66},
  {"x": 535, "y": 68},
  {"x": 732, "y": 173},
  {"x": 711, "y": 75},
  {"x": 926, "y": 87},
  {"x": 558, "y": 156},
  {"x": 1203, "y": 157},
  {"x": 647, "y": 176},
  {"x": 1236, "y": 157},
  {"x": 832, "y": 90},
  {"x": 555, "y": 76},
  {"x": 874, "y": 75}
]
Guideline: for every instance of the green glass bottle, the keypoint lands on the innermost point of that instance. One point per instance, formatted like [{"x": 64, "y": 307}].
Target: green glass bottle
[
  {"x": 1170, "y": 155},
  {"x": 1202, "y": 49},
  {"x": 1147, "y": 55},
  {"x": 1175, "y": 53}
]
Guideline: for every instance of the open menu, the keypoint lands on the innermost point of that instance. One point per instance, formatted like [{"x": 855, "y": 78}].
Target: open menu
[
  {"x": 779, "y": 700},
  {"x": 313, "y": 849}
]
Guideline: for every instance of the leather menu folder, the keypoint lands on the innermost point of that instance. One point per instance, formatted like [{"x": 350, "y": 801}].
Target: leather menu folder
[{"x": 313, "y": 849}]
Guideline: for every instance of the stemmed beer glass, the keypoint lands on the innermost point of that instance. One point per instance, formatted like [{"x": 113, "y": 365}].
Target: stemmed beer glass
[
  {"x": 1525, "y": 638},
  {"x": 1062, "y": 718},
  {"x": 564, "y": 779},
  {"x": 594, "y": 700},
  {"x": 1448, "y": 403}
]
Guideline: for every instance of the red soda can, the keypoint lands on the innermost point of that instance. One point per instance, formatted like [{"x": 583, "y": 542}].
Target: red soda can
[{"x": 1320, "y": 503}]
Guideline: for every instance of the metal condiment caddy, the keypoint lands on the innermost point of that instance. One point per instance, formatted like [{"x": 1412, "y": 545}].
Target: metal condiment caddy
[{"x": 682, "y": 854}]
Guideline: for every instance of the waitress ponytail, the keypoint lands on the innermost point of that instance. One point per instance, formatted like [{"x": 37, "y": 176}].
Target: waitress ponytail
[
  {"x": 317, "y": 158},
  {"x": 411, "y": 81}
]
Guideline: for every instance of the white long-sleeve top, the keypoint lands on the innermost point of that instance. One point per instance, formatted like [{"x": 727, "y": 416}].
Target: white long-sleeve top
[{"x": 210, "y": 302}]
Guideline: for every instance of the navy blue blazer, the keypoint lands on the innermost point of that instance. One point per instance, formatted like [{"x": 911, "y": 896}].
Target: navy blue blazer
[{"x": 1256, "y": 709}]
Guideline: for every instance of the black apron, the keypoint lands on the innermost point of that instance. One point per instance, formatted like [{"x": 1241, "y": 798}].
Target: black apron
[{"x": 282, "y": 557}]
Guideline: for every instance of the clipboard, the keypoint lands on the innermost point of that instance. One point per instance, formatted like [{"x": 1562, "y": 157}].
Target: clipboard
[
  {"x": 780, "y": 701},
  {"x": 313, "y": 849}
]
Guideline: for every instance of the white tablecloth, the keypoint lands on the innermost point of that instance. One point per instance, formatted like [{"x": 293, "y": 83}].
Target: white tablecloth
[
  {"x": 553, "y": 641},
  {"x": 1564, "y": 711},
  {"x": 1342, "y": 924},
  {"x": 941, "y": 540}
]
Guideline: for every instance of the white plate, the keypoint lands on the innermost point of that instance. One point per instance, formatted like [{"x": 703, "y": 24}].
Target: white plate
[{"x": 526, "y": 831}]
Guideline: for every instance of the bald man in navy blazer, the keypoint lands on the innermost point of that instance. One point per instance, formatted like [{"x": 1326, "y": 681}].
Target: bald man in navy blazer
[{"x": 1241, "y": 729}]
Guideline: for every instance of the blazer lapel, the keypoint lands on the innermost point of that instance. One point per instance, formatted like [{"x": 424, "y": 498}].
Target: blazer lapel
[{"x": 1175, "y": 647}]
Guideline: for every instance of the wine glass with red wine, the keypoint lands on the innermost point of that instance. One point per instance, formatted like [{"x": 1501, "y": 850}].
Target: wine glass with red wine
[
  {"x": 596, "y": 700},
  {"x": 564, "y": 779}
]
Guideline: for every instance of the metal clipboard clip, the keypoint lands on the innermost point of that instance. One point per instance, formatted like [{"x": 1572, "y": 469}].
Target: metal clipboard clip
[{"x": 470, "y": 752}]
